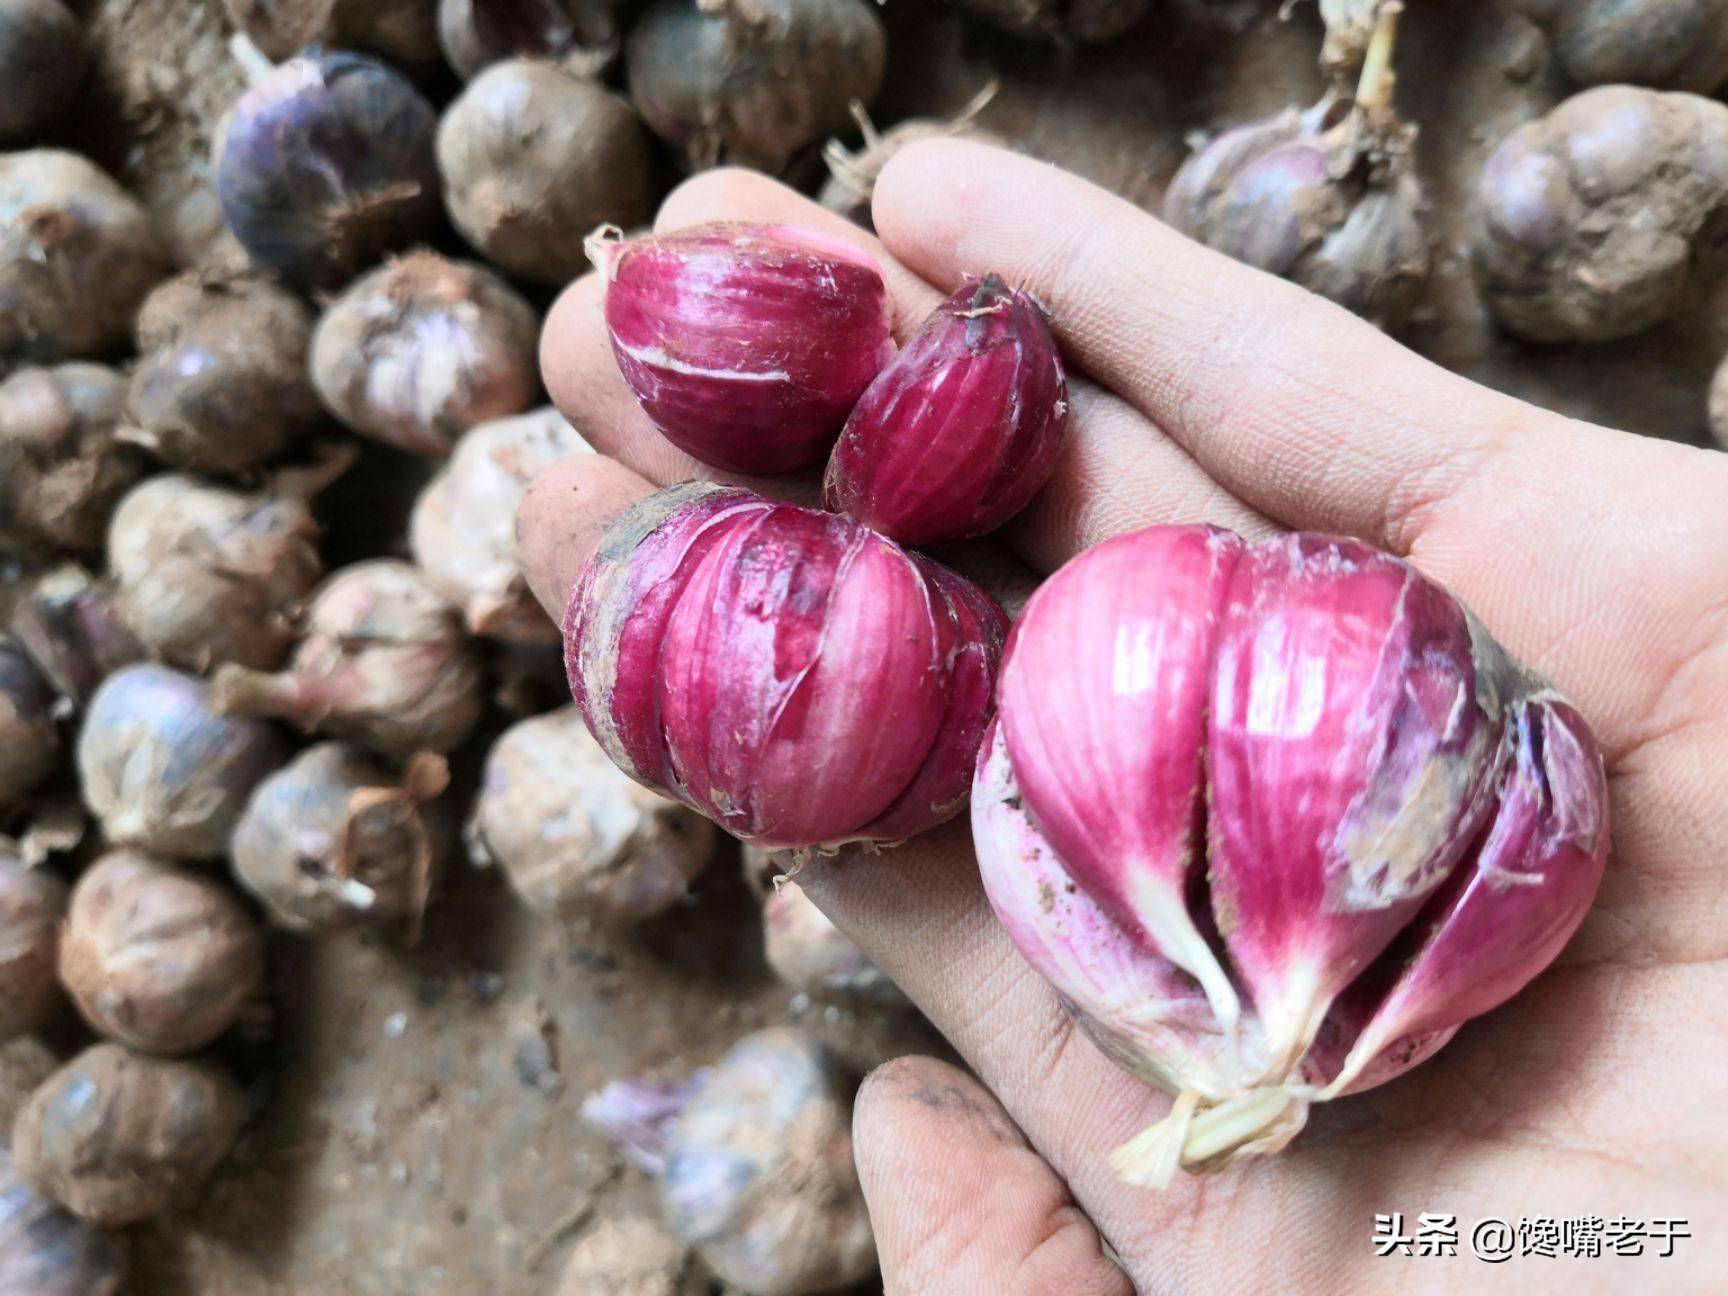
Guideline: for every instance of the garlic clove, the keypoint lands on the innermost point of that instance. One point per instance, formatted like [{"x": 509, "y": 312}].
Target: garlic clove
[
  {"x": 747, "y": 345},
  {"x": 1112, "y": 763},
  {"x": 1352, "y": 731},
  {"x": 1509, "y": 909},
  {"x": 962, "y": 428}
]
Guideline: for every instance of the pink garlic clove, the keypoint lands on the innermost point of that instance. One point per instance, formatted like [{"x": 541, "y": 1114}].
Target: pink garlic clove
[
  {"x": 1399, "y": 827},
  {"x": 1506, "y": 913},
  {"x": 795, "y": 677},
  {"x": 961, "y": 429},
  {"x": 1351, "y": 736},
  {"x": 747, "y": 345},
  {"x": 1111, "y": 762}
]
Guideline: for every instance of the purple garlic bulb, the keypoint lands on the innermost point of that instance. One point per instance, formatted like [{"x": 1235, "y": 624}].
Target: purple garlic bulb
[
  {"x": 1314, "y": 201},
  {"x": 960, "y": 429},
  {"x": 1275, "y": 819},
  {"x": 791, "y": 674},
  {"x": 1601, "y": 218},
  {"x": 325, "y": 164},
  {"x": 162, "y": 769}
]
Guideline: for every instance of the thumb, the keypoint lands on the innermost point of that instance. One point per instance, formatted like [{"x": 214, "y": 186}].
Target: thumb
[{"x": 961, "y": 1204}]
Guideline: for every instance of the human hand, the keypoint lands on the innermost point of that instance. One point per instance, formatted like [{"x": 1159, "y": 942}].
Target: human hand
[{"x": 1206, "y": 391}]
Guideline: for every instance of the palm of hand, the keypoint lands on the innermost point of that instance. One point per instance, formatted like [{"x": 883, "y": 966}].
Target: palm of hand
[{"x": 1215, "y": 393}]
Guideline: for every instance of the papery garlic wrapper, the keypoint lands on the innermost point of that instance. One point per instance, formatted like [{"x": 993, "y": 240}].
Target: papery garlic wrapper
[
  {"x": 794, "y": 676},
  {"x": 1275, "y": 819}
]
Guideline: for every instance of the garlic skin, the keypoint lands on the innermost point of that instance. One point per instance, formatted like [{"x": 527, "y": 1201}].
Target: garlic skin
[
  {"x": 31, "y": 903},
  {"x": 162, "y": 769},
  {"x": 1059, "y": 20},
  {"x": 1275, "y": 819},
  {"x": 332, "y": 841},
  {"x": 44, "y": 1251},
  {"x": 66, "y": 620},
  {"x": 158, "y": 957},
  {"x": 1318, "y": 198},
  {"x": 961, "y": 429},
  {"x": 751, "y": 82},
  {"x": 29, "y": 737},
  {"x": 1596, "y": 221},
  {"x": 42, "y": 60},
  {"x": 795, "y": 677},
  {"x": 62, "y": 468},
  {"x": 747, "y": 345},
  {"x": 531, "y": 151},
  {"x": 574, "y": 836},
  {"x": 759, "y": 1176},
  {"x": 421, "y": 349},
  {"x": 852, "y": 173},
  {"x": 382, "y": 659},
  {"x": 221, "y": 384},
  {"x": 116, "y": 1137},
  {"x": 205, "y": 574},
  {"x": 325, "y": 164},
  {"x": 583, "y": 36},
  {"x": 1665, "y": 44},
  {"x": 400, "y": 31},
  {"x": 463, "y": 529},
  {"x": 77, "y": 255}
]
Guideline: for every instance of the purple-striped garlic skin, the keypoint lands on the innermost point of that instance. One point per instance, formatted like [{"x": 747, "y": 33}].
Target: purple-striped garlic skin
[
  {"x": 792, "y": 675},
  {"x": 961, "y": 429},
  {"x": 1275, "y": 819},
  {"x": 747, "y": 345}
]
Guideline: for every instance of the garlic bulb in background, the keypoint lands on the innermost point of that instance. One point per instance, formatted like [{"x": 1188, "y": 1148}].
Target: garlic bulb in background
[
  {"x": 383, "y": 658},
  {"x": 32, "y": 902},
  {"x": 577, "y": 838},
  {"x": 205, "y": 574},
  {"x": 162, "y": 769},
  {"x": 221, "y": 383},
  {"x": 463, "y": 530},
  {"x": 419, "y": 350},
  {"x": 29, "y": 737},
  {"x": 46, "y": 1251},
  {"x": 62, "y": 466},
  {"x": 116, "y": 1136},
  {"x": 331, "y": 840}
]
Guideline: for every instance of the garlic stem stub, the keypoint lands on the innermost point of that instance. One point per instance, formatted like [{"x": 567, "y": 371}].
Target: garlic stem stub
[
  {"x": 746, "y": 345},
  {"x": 1275, "y": 819},
  {"x": 794, "y": 676}
]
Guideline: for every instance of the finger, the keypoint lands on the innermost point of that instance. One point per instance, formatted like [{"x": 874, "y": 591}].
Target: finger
[
  {"x": 561, "y": 518},
  {"x": 1119, "y": 471},
  {"x": 960, "y": 1203},
  {"x": 1294, "y": 405}
]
